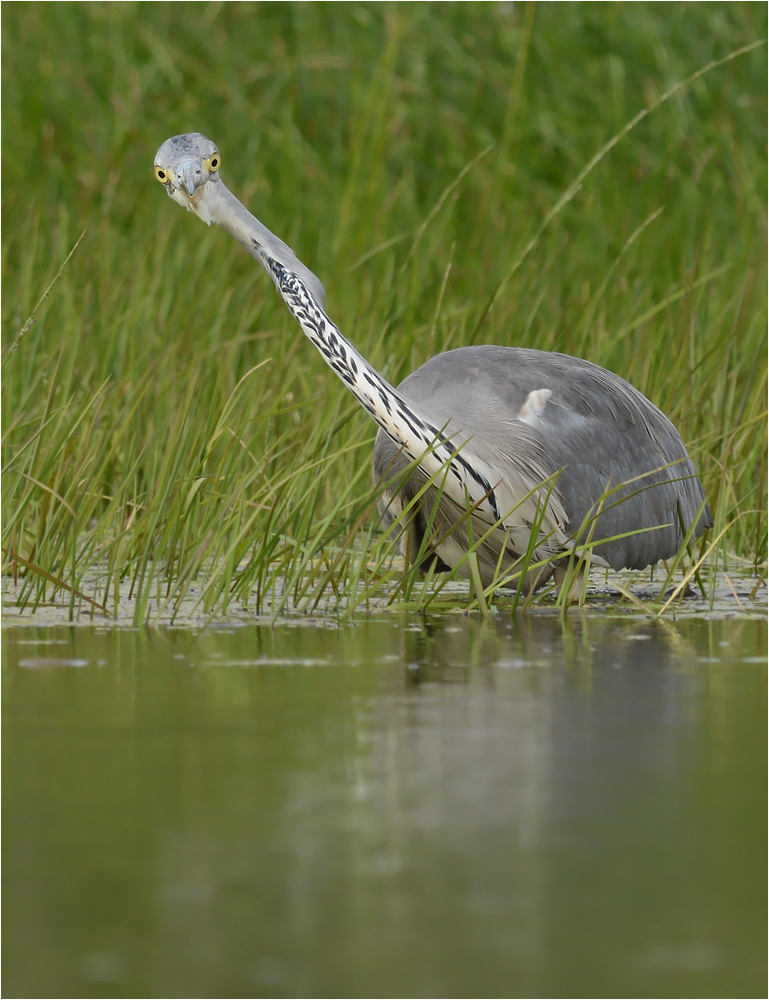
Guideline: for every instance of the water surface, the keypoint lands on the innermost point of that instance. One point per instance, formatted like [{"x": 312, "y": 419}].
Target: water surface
[{"x": 434, "y": 807}]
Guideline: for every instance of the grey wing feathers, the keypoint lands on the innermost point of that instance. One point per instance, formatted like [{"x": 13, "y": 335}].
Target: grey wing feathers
[
  {"x": 623, "y": 446},
  {"x": 594, "y": 426}
]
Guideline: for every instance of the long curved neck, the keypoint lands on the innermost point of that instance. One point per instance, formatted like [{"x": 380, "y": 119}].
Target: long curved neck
[{"x": 303, "y": 293}]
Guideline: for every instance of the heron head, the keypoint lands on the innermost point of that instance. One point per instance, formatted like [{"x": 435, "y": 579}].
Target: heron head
[{"x": 187, "y": 165}]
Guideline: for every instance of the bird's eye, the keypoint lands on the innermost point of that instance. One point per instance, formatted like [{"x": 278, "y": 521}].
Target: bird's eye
[
  {"x": 161, "y": 175},
  {"x": 213, "y": 162}
]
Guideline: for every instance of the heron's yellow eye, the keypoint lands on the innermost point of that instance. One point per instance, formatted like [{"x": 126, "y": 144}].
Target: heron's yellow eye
[
  {"x": 213, "y": 162},
  {"x": 161, "y": 175}
]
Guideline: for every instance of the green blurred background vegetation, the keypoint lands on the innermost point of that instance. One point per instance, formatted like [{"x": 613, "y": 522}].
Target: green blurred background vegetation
[{"x": 409, "y": 153}]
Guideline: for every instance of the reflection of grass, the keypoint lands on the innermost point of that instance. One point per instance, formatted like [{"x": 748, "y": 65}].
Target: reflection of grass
[{"x": 164, "y": 420}]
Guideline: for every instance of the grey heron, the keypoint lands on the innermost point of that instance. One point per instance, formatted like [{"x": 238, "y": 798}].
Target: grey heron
[{"x": 506, "y": 451}]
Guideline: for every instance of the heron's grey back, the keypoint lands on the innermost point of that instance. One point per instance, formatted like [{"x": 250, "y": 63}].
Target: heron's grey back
[{"x": 595, "y": 426}]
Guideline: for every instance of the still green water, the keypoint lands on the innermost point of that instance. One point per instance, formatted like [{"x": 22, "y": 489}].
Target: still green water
[{"x": 399, "y": 808}]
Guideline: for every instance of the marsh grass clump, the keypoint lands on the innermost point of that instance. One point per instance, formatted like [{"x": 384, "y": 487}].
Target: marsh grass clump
[{"x": 167, "y": 429}]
